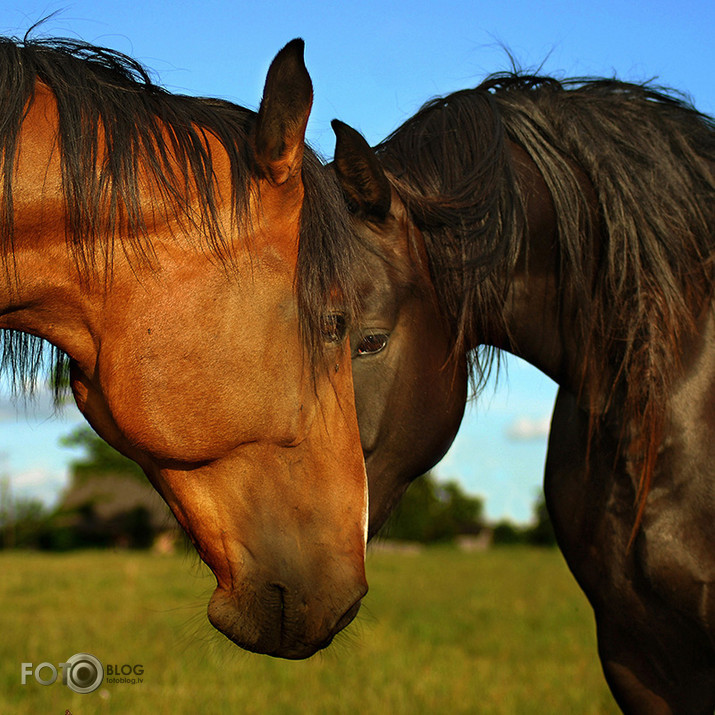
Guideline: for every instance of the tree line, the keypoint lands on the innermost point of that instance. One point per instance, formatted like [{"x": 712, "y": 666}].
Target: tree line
[{"x": 431, "y": 511}]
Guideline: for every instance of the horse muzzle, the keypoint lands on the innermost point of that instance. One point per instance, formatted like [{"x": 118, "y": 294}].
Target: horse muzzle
[
  {"x": 276, "y": 619},
  {"x": 284, "y": 532}
]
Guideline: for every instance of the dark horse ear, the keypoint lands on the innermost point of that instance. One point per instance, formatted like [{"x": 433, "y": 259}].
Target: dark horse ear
[
  {"x": 279, "y": 134},
  {"x": 364, "y": 182}
]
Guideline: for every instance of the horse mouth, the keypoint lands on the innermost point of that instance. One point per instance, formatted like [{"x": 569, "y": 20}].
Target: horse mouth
[
  {"x": 280, "y": 627},
  {"x": 292, "y": 647},
  {"x": 346, "y": 619}
]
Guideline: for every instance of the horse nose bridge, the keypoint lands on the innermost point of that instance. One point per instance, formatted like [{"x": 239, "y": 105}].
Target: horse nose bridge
[
  {"x": 313, "y": 493},
  {"x": 301, "y": 559},
  {"x": 297, "y": 513},
  {"x": 303, "y": 564}
]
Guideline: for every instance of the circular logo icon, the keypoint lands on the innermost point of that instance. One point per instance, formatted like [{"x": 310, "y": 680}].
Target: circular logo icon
[{"x": 84, "y": 673}]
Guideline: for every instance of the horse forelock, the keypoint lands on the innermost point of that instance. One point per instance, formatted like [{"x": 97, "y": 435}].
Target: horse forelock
[
  {"x": 326, "y": 279},
  {"x": 115, "y": 127},
  {"x": 639, "y": 268}
]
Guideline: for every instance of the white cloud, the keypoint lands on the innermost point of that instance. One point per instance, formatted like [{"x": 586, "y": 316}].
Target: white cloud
[
  {"x": 31, "y": 479},
  {"x": 524, "y": 429},
  {"x": 38, "y": 484}
]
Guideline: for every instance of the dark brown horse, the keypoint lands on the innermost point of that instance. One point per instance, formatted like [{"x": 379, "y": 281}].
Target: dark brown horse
[
  {"x": 183, "y": 254},
  {"x": 571, "y": 224}
]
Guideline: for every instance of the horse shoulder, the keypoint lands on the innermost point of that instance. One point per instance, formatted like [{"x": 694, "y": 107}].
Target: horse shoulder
[
  {"x": 676, "y": 547},
  {"x": 653, "y": 601}
]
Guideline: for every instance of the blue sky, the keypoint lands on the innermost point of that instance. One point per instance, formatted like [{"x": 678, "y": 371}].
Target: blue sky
[{"x": 373, "y": 64}]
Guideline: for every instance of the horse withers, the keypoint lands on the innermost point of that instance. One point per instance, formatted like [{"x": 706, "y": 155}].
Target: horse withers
[
  {"x": 570, "y": 223},
  {"x": 184, "y": 254}
]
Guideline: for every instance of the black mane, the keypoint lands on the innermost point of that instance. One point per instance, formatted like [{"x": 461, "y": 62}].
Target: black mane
[
  {"x": 113, "y": 120},
  {"x": 649, "y": 157},
  {"x": 639, "y": 269}
]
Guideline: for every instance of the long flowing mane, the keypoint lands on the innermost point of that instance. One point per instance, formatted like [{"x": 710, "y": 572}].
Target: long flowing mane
[
  {"x": 636, "y": 256},
  {"x": 113, "y": 124}
]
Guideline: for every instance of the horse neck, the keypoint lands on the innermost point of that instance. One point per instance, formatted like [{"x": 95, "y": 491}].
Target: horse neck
[{"x": 538, "y": 315}]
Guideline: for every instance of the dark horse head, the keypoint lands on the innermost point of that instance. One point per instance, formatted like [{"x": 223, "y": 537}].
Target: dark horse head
[{"x": 410, "y": 384}]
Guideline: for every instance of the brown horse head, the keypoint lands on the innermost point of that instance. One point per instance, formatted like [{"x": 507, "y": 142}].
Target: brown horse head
[
  {"x": 192, "y": 322},
  {"x": 410, "y": 388}
]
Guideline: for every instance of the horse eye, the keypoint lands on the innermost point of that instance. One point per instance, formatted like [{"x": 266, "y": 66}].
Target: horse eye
[
  {"x": 334, "y": 328},
  {"x": 372, "y": 344}
]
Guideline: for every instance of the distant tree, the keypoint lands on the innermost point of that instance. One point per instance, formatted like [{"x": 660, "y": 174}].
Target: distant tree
[
  {"x": 506, "y": 533},
  {"x": 100, "y": 459},
  {"x": 23, "y": 521},
  {"x": 540, "y": 533},
  {"x": 411, "y": 520},
  {"x": 430, "y": 511},
  {"x": 465, "y": 512}
]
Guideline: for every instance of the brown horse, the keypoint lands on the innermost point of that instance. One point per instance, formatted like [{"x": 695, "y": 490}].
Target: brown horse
[
  {"x": 570, "y": 224},
  {"x": 183, "y": 254}
]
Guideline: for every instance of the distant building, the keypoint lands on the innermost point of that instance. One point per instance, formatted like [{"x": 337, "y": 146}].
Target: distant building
[{"x": 115, "y": 510}]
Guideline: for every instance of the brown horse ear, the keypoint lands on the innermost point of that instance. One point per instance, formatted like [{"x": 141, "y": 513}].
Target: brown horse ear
[
  {"x": 364, "y": 182},
  {"x": 279, "y": 134}
]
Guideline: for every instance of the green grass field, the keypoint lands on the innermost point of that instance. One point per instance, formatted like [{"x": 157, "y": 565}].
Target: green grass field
[{"x": 441, "y": 631}]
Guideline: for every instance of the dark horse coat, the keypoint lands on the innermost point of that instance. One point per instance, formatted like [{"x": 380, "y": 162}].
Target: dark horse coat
[{"x": 570, "y": 223}]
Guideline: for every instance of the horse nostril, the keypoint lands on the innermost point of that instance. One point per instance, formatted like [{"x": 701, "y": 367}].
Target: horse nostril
[
  {"x": 282, "y": 590},
  {"x": 348, "y": 616}
]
